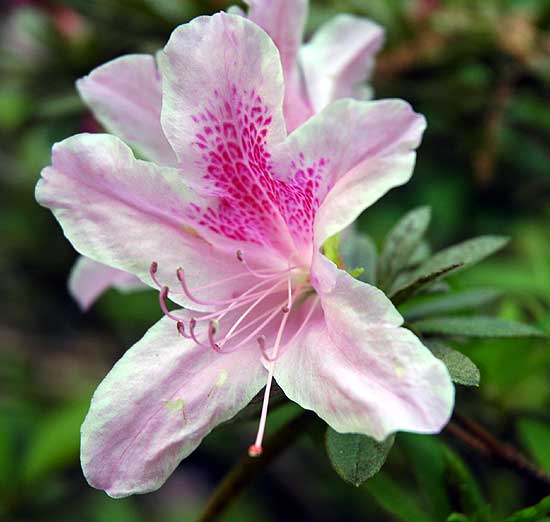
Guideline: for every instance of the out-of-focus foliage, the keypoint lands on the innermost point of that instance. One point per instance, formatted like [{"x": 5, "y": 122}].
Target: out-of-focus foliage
[{"x": 480, "y": 72}]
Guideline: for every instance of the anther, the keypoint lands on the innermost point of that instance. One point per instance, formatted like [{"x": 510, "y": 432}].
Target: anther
[
  {"x": 285, "y": 309},
  {"x": 181, "y": 330},
  {"x": 162, "y": 301},
  {"x": 153, "y": 273},
  {"x": 240, "y": 256}
]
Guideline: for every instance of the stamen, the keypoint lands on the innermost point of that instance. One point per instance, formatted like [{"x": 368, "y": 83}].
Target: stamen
[
  {"x": 255, "y": 450},
  {"x": 162, "y": 301},
  {"x": 153, "y": 273},
  {"x": 296, "y": 334},
  {"x": 212, "y": 329},
  {"x": 181, "y": 329},
  {"x": 181, "y": 277},
  {"x": 250, "y": 309},
  {"x": 262, "y": 273},
  {"x": 192, "y": 324}
]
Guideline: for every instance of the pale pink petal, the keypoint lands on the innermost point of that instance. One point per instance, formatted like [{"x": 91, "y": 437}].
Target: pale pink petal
[
  {"x": 127, "y": 213},
  {"x": 339, "y": 59},
  {"x": 284, "y": 22},
  {"x": 125, "y": 96},
  {"x": 359, "y": 371},
  {"x": 89, "y": 279},
  {"x": 360, "y": 150},
  {"x": 156, "y": 405}
]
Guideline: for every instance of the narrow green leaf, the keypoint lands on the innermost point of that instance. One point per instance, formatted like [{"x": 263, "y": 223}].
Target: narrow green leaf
[
  {"x": 409, "y": 289},
  {"x": 391, "y": 497},
  {"x": 535, "y": 435},
  {"x": 455, "y": 302},
  {"x": 477, "y": 326},
  {"x": 461, "y": 369},
  {"x": 443, "y": 263},
  {"x": 533, "y": 513},
  {"x": 401, "y": 243},
  {"x": 356, "y": 458},
  {"x": 466, "y": 253}
]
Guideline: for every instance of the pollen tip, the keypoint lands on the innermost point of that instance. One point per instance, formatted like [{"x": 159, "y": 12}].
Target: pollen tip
[
  {"x": 261, "y": 342},
  {"x": 154, "y": 267},
  {"x": 255, "y": 450},
  {"x": 285, "y": 309},
  {"x": 180, "y": 327},
  {"x": 214, "y": 325},
  {"x": 179, "y": 274},
  {"x": 239, "y": 254}
]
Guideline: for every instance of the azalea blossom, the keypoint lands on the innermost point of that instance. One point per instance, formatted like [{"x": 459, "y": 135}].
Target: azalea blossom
[
  {"x": 125, "y": 96},
  {"x": 229, "y": 223}
]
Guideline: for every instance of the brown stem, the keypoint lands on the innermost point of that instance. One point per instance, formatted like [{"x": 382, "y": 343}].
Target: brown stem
[
  {"x": 481, "y": 440},
  {"x": 248, "y": 468}
]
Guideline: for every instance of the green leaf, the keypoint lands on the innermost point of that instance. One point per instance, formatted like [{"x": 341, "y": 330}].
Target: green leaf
[
  {"x": 401, "y": 243},
  {"x": 331, "y": 248},
  {"x": 536, "y": 438},
  {"x": 455, "y": 302},
  {"x": 359, "y": 250},
  {"x": 425, "y": 454},
  {"x": 462, "y": 480},
  {"x": 477, "y": 326},
  {"x": 443, "y": 263},
  {"x": 409, "y": 289},
  {"x": 458, "y": 517},
  {"x": 391, "y": 497},
  {"x": 56, "y": 442},
  {"x": 356, "y": 458},
  {"x": 533, "y": 513},
  {"x": 466, "y": 253},
  {"x": 461, "y": 369}
]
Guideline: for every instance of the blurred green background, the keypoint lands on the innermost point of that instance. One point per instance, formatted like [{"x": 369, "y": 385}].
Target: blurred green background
[{"x": 479, "y": 71}]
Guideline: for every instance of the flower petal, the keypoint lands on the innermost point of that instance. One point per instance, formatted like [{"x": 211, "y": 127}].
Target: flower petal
[
  {"x": 89, "y": 279},
  {"x": 360, "y": 372},
  {"x": 365, "y": 149},
  {"x": 339, "y": 58},
  {"x": 284, "y": 22},
  {"x": 218, "y": 71},
  {"x": 127, "y": 213},
  {"x": 125, "y": 96},
  {"x": 156, "y": 405}
]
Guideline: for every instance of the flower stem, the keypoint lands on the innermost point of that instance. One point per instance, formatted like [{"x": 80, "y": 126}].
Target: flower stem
[
  {"x": 478, "y": 438},
  {"x": 248, "y": 468}
]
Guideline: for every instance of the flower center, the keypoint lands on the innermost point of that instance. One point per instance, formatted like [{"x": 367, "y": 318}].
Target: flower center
[{"x": 275, "y": 294}]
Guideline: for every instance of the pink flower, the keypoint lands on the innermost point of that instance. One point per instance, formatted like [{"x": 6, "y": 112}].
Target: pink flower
[
  {"x": 334, "y": 64},
  {"x": 229, "y": 223}
]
